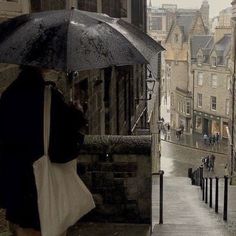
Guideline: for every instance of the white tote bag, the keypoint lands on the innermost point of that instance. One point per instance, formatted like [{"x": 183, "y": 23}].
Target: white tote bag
[{"x": 62, "y": 197}]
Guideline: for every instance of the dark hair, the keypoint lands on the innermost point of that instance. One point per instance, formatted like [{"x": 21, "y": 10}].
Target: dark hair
[{"x": 30, "y": 74}]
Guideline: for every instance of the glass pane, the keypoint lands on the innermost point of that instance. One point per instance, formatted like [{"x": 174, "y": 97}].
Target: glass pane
[{"x": 87, "y": 5}]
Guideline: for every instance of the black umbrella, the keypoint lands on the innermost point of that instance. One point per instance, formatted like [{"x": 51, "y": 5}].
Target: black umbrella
[{"x": 73, "y": 40}]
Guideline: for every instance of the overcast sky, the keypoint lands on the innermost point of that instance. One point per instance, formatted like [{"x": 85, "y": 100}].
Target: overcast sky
[{"x": 215, "y": 5}]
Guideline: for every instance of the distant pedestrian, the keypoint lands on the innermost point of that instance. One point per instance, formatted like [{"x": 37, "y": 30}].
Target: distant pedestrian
[
  {"x": 210, "y": 140},
  {"x": 168, "y": 127},
  {"x": 213, "y": 139},
  {"x": 217, "y": 137},
  {"x": 205, "y": 137},
  {"x": 212, "y": 162}
]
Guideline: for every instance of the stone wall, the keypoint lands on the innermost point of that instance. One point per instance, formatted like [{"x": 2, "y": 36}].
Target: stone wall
[{"x": 120, "y": 183}]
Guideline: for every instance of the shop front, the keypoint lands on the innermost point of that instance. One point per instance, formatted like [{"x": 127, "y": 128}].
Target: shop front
[{"x": 209, "y": 124}]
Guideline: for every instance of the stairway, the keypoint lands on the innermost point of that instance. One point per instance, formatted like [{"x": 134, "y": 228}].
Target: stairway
[{"x": 184, "y": 212}]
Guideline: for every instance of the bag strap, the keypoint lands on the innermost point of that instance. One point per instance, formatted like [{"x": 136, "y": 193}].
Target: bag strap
[{"x": 46, "y": 118}]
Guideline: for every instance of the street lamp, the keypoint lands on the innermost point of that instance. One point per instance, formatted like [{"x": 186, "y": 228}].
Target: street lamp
[{"x": 150, "y": 87}]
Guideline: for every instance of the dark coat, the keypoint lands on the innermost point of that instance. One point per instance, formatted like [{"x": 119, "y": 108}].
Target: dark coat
[{"x": 21, "y": 139}]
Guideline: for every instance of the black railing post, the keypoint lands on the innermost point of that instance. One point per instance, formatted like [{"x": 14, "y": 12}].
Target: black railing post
[
  {"x": 210, "y": 200},
  {"x": 161, "y": 197},
  {"x": 217, "y": 195},
  {"x": 203, "y": 189},
  {"x": 206, "y": 192},
  {"x": 201, "y": 176},
  {"x": 225, "y": 198}
]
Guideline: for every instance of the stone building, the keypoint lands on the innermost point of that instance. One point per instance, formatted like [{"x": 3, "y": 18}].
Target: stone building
[
  {"x": 113, "y": 97},
  {"x": 177, "y": 69},
  {"x": 210, "y": 57},
  {"x": 232, "y": 122}
]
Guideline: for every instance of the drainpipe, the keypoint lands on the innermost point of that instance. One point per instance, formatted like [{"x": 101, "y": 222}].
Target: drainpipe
[
  {"x": 233, "y": 104},
  {"x": 117, "y": 107},
  {"x": 129, "y": 106}
]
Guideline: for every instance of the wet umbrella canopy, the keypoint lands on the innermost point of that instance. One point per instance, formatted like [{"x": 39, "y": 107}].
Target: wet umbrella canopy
[{"x": 73, "y": 40}]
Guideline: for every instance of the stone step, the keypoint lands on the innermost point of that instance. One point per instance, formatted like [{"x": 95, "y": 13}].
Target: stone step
[
  {"x": 109, "y": 229},
  {"x": 184, "y": 212},
  {"x": 187, "y": 230}
]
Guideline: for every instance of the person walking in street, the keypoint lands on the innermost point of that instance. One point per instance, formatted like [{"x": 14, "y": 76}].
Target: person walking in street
[
  {"x": 217, "y": 137},
  {"x": 168, "y": 127},
  {"x": 213, "y": 140},
  {"x": 212, "y": 162},
  {"x": 21, "y": 140},
  {"x": 210, "y": 140},
  {"x": 205, "y": 137}
]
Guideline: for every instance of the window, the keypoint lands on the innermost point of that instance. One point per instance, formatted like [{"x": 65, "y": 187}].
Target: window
[
  {"x": 213, "y": 81},
  {"x": 213, "y": 61},
  {"x": 213, "y": 103},
  {"x": 188, "y": 107},
  {"x": 227, "y": 107},
  {"x": 199, "y": 100},
  {"x": 172, "y": 99},
  {"x": 114, "y": 8},
  {"x": 87, "y": 5},
  {"x": 156, "y": 23},
  {"x": 200, "y": 79},
  {"x": 199, "y": 60},
  {"x": 228, "y": 82}
]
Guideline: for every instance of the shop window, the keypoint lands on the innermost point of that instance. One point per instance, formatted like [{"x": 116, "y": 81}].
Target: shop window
[
  {"x": 199, "y": 100},
  {"x": 213, "y": 103},
  {"x": 200, "y": 79},
  {"x": 215, "y": 127},
  {"x": 198, "y": 124},
  {"x": 227, "y": 107},
  {"x": 214, "y": 81}
]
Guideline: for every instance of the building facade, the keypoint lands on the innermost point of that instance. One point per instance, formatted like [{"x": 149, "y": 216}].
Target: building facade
[
  {"x": 177, "y": 58},
  {"x": 211, "y": 83}
]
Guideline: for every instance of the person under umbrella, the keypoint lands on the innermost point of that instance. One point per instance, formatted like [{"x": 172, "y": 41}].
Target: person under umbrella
[{"x": 21, "y": 139}]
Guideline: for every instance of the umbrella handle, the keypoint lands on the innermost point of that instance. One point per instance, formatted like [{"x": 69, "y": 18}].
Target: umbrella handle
[{"x": 71, "y": 78}]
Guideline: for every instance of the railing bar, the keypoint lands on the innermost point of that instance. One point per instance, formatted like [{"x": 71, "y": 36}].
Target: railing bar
[
  {"x": 217, "y": 195},
  {"x": 210, "y": 203},
  {"x": 225, "y": 199}
]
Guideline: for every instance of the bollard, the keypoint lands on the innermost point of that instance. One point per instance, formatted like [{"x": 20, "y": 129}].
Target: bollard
[
  {"x": 201, "y": 176},
  {"x": 225, "y": 214},
  {"x": 161, "y": 197},
  {"x": 206, "y": 192},
  {"x": 203, "y": 189},
  {"x": 210, "y": 200},
  {"x": 217, "y": 195}
]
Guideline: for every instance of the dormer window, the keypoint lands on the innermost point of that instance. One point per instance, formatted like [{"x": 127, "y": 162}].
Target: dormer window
[
  {"x": 199, "y": 60},
  {"x": 213, "y": 61},
  {"x": 176, "y": 38}
]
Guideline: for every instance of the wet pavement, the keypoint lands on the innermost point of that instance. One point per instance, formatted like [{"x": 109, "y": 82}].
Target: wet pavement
[
  {"x": 176, "y": 159},
  {"x": 195, "y": 140}
]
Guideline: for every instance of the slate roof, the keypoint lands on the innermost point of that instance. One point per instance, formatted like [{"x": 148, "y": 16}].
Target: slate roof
[
  {"x": 185, "y": 22},
  {"x": 207, "y": 44},
  {"x": 200, "y": 41}
]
